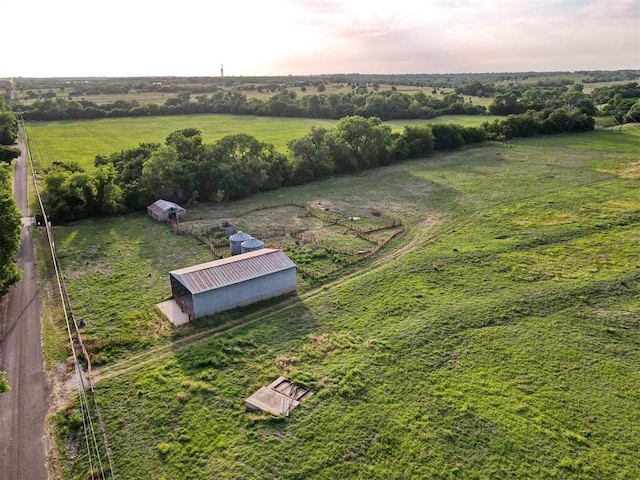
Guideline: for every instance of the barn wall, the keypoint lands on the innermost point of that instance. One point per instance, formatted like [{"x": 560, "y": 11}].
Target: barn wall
[
  {"x": 245, "y": 293},
  {"x": 161, "y": 217}
]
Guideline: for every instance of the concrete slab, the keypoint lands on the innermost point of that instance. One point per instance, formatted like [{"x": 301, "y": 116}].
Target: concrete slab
[
  {"x": 172, "y": 311},
  {"x": 269, "y": 400},
  {"x": 279, "y": 398}
]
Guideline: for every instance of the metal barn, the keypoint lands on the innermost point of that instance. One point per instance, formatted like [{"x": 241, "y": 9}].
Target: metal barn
[
  {"x": 161, "y": 210},
  {"x": 239, "y": 280}
]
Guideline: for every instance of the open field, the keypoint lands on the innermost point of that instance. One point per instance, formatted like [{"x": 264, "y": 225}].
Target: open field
[
  {"x": 101, "y": 99},
  {"x": 81, "y": 141},
  {"x": 497, "y": 337}
]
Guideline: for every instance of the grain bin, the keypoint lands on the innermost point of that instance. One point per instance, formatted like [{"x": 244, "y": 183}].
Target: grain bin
[
  {"x": 236, "y": 240},
  {"x": 251, "y": 245}
]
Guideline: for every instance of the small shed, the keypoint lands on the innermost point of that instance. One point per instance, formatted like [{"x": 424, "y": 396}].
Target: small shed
[
  {"x": 162, "y": 210},
  {"x": 232, "y": 282}
]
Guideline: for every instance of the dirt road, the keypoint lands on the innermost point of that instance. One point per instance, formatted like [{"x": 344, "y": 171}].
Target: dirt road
[{"x": 23, "y": 410}]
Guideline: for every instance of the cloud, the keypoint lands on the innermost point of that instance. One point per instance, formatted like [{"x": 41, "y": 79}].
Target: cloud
[
  {"x": 253, "y": 37},
  {"x": 470, "y": 35},
  {"x": 607, "y": 10}
]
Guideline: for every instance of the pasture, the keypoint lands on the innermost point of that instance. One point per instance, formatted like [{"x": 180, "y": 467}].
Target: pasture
[
  {"x": 497, "y": 336},
  {"x": 81, "y": 141}
]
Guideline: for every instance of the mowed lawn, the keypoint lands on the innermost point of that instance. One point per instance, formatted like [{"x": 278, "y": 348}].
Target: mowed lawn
[
  {"x": 502, "y": 341},
  {"x": 81, "y": 141}
]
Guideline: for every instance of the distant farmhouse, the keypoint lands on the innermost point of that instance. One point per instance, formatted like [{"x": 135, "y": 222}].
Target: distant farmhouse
[
  {"x": 231, "y": 282},
  {"x": 163, "y": 210}
]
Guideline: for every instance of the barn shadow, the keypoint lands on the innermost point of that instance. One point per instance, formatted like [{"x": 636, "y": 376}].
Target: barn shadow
[{"x": 243, "y": 344}]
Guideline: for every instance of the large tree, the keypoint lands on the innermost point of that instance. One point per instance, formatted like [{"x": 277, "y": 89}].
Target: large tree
[
  {"x": 8, "y": 127},
  {"x": 7, "y": 154},
  {"x": 419, "y": 140},
  {"x": 10, "y": 220},
  {"x": 357, "y": 143},
  {"x": 310, "y": 156},
  {"x": 246, "y": 165},
  {"x": 164, "y": 177}
]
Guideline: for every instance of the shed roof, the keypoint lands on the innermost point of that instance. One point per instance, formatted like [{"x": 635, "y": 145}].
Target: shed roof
[
  {"x": 231, "y": 270},
  {"x": 160, "y": 206}
]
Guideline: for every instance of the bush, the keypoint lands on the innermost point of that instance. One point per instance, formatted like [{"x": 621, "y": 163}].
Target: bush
[{"x": 447, "y": 136}]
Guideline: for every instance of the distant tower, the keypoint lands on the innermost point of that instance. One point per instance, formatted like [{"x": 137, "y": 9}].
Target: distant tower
[{"x": 222, "y": 70}]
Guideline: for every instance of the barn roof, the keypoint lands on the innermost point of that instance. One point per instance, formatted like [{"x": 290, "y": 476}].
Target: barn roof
[
  {"x": 160, "y": 206},
  {"x": 231, "y": 270}
]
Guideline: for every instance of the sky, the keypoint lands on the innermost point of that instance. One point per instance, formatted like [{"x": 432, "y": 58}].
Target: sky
[{"x": 71, "y": 38}]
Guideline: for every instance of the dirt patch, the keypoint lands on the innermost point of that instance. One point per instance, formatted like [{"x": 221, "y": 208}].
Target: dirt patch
[
  {"x": 350, "y": 208},
  {"x": 60, "y": 387},
  {"x": 64, "y": 383},
  {"x": 321, "y": 204},
  {"x": 272, "y": 219},
  {"x": 631, "y": 171}
]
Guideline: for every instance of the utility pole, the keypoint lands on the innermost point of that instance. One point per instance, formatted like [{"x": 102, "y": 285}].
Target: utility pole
[{"x": 221, "y": 70}]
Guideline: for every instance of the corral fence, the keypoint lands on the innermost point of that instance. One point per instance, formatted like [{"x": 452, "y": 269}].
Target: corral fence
[
  {"x": 214, "y": 249},
  {"x": 211, "y": 232},
  {"x": 338, "y": 218}
]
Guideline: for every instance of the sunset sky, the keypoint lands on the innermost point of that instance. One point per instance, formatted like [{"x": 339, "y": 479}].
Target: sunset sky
[{"x": 302, "y": 37}]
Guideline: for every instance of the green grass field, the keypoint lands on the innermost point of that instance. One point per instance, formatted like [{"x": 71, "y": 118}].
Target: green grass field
[
  {"x": 498, "y": 337},
  {"x": 81, "y": 141}
]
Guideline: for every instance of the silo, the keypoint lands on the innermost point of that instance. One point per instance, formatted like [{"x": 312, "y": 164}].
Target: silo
[
  {"x": 236, "y": 240},
  {"x": 251, "y": 245}
]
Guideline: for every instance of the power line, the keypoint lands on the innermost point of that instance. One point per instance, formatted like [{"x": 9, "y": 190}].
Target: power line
[{"x": 69, "y": 319}]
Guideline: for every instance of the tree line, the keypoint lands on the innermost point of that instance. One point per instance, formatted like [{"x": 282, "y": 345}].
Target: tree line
[
  {"x": 620, "y": 101},
  {"x": 361, "y": 101},
  {"x": 8, "y": 133},
  {"x": 10, "y": 217},
  {"x": 184, "y": 169},
  {"x": 80, "y": 86}
]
